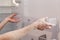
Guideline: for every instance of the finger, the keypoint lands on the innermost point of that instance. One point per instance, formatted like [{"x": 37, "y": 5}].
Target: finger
[
  {"x": 15, "y": 20},
  {"x": 48, "y": 27},
  {"x": 12, "y": 15},
  {"x": 51, "y": 24}
]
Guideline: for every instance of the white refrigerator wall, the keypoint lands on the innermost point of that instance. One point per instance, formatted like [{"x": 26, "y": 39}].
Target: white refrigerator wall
[{"x": 43, "y": 8}]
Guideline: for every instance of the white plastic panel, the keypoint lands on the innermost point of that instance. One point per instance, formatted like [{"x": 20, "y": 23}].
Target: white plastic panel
[{"x": 6, "y": 3}]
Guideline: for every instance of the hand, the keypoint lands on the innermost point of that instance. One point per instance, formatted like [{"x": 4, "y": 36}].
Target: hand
[
  {"x": 43, "y": 24},
  {"x": 12, "y": 19}
]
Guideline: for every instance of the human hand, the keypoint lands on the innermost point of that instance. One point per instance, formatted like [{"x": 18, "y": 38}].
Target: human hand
[
  {"x": 12, "y": 19},
  {"x": 42, "y": 24}
]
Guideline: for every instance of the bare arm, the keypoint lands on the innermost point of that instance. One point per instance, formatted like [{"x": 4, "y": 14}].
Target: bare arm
[
  {"x": 8, "y": 19},
  {"x": 3, "y": 23},
  {"x": 15, "y": 35}
]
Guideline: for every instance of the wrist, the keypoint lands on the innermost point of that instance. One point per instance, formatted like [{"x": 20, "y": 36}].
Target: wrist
[{"x": 6, "y": 20}]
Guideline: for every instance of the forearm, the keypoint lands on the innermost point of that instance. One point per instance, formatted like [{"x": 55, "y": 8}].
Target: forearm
[
  {"x": 14, "y": 35},
  {"x": 26, "y": 30},
  {"x": 3, "y": 23}
]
